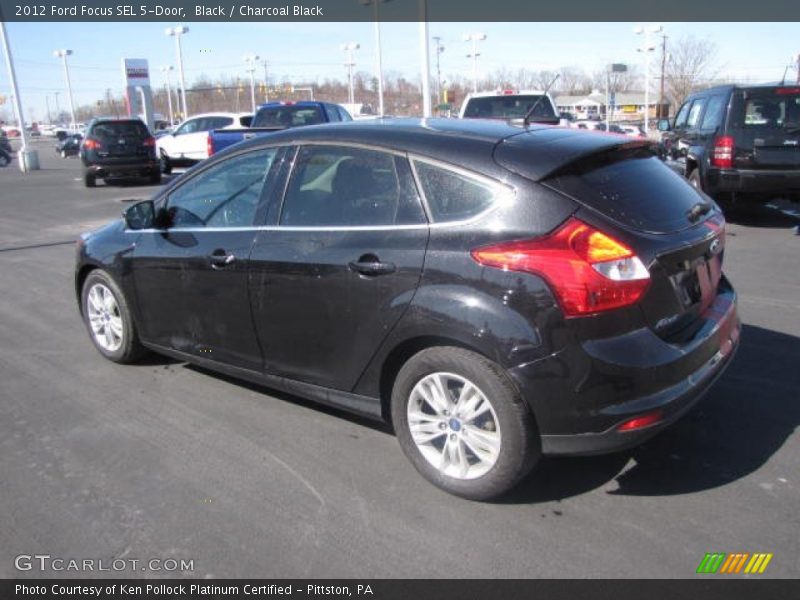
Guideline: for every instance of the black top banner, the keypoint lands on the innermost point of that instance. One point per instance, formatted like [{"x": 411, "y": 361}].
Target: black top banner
[
  {"x": 400, "y": 589},
  {"x": 399, "y": 10}
]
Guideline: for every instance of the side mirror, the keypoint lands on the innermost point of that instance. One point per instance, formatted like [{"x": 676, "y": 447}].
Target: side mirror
[
  {"x": 141, "y": 215},
  {"x": 663, "y": 125}
]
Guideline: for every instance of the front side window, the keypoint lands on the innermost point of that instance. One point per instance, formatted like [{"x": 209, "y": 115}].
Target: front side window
[
  {"x": 341, "y": 186},
  {"x": 683, "y": 113},
  {"x": 225, "y": 195},
  {"x": 452, "y": 196}
]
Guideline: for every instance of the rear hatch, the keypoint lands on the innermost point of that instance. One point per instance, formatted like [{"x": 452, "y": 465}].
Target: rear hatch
[
  {"x": 122, "y": 141},
  {"x": 676, "y": 231},
  {"x": 765, "y": 125}
]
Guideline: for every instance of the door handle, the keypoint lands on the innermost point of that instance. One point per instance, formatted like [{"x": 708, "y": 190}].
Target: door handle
[
  {"x": 372, "y": 268},
  {"x": 219, "y": 259}
]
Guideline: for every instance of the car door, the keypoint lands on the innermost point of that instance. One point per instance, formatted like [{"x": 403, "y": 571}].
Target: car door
[
  {"x": 341, "y": 265},
  {"x": 191, "y": 276}
]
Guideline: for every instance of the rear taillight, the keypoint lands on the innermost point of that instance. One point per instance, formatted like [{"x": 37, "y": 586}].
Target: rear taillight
[
  {"x": 92, "y": 144},
  {"x": 589, "y": 271},
  {"x": 209, "y": 145},
  {"x": 722, "y": 154},
  {"x": 150, "y": 142},
  {"x": 645, "y": 420},
  {"x": 787, "y": 91}
]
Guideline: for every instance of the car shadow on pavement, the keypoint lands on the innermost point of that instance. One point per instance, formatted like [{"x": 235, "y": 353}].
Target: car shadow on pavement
[
  {"x": 745, "y": 419},
  {"x": 760, "y": 215}
]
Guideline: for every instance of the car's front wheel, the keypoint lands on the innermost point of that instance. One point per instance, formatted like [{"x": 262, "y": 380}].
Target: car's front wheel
[
  {"x": 165, "y": 164},
  {"x": 461, "y": 422},
  {"x": 108, "y": 319}
]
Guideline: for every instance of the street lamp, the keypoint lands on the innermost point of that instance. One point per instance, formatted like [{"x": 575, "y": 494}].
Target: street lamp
[
  {"x": 166, "y": 70},
  {"x": 177, "y": 32},
  {"x": 63, "y": 54},
  {"x": 348, "y": 49},
  {"x": 378, "y": 51},
  {"x": 474, "y": 37},
  {"x": 251, "y": 60},
  {"x": 646, "y": 50}
]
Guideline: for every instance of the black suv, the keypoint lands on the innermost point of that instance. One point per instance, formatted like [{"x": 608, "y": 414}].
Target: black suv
[
  {"x": 495, "y": 292},
  {"x": 119, "y": 148},
  {"x": 738, "y": 141}
]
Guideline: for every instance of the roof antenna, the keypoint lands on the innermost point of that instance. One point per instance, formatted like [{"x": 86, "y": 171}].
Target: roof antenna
[{"x": 527, "y": 120}]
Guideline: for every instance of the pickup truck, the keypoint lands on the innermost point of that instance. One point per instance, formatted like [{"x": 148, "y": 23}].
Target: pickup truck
[
  {"x": 187, "y": 144},
  {"x": 275, "y": 116}
]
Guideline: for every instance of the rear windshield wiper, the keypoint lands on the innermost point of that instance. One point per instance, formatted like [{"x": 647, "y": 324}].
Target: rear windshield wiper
[{"x": 698, "y": 210}]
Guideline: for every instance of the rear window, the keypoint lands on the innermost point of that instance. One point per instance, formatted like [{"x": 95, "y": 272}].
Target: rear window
[
  {"x": 508, "y": 107},
  {"x": 287, "y": 116},
  {"x": 773, "y": 109},
  {"x": 452, "y": 196},
  {"x": 633, "y": 187},
  {"x": 129, "y": 130}
]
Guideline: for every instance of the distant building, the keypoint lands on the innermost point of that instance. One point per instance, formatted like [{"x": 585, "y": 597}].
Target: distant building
[{"x": 628, "y": 106}]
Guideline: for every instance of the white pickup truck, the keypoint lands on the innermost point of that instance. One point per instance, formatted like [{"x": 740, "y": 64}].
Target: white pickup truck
[
  {"x": 510, "y": 105},
  {"x": 188, "y": 144}
]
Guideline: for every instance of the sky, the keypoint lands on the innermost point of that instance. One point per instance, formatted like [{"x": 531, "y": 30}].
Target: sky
[{"x": 308, "y": 52}]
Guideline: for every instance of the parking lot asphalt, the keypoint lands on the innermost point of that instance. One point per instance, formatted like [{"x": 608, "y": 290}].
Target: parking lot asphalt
[{"x": 164, "y": 460}]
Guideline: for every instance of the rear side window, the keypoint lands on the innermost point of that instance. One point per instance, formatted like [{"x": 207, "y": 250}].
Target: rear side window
[
  {"x": 216, "y": 123},
  {"x": 452, "y": 196},
  {"x": 115, "y": 130},
  {"x": 714, "y": 113},
  {"x": 693, "y": 119},
  {"x": 341, "y": 186},
  {"x": 633, "y": 187}
]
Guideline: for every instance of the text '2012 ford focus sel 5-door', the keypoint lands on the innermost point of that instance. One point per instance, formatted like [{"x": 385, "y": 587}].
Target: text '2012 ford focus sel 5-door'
[{"x": 495, "y": 292}]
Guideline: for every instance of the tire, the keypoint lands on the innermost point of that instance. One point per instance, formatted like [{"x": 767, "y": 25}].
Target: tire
[
  {"x": 461, "y": 460},
  {"x": 166, "y": 166},
  {"x": 155, "y": 177},
  {"x": 108, "y": 319},
  {"x": 89, "y": 180},
  {"x": 695, "y": 181}
]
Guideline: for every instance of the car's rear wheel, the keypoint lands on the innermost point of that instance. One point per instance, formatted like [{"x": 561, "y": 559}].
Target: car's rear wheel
[
  {"x": 462, "y": 424},
  {"x": 155, "y": 177},
  {"x": 108, "y": 319},
  {"x": 89, "y": 180}
]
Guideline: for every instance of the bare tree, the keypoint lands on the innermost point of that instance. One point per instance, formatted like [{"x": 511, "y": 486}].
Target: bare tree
[
  {"x": 630, "y": 81},
  {"x": 690, "y": 62}
]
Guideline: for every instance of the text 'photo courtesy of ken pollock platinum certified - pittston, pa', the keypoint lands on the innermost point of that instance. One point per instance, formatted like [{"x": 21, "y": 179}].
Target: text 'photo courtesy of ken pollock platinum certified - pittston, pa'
[{"x": 192, "y": 589}]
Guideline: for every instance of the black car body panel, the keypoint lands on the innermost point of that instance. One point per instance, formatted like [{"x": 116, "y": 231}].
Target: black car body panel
[{"x": 293, "y": 310}]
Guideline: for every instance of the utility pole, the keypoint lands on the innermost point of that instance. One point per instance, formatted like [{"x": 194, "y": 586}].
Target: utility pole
[
  {"x": 660, "y": 112},
  {"x": 265, "y": 64},
  {"x": 47, "y": 102},
  {"x": 439, "y": 50}
]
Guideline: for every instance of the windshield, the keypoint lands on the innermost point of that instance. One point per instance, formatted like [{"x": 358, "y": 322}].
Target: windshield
[
  {"x": 509, "y": 107},
  {"x": 287, "y": 116}
]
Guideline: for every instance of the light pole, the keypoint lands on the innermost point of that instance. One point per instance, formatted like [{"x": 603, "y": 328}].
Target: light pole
[
  {"x": 265, "y": 64},
  {"x": 28, "y": 159},
  {"x": 646, "y": 50},
  {"x": 378, "y": 52},
  {"x": 58, "y": 108},
  {"x": 63, "y": 54},
  {"x": 613, "y": 68},
  {"x": 177, "y": 32},
  {"x": 474, "y": 37},
  {"x": 251, "y": 60},
  {"x": 166, "y": 70},
  {"x": 348, "y": 49}
]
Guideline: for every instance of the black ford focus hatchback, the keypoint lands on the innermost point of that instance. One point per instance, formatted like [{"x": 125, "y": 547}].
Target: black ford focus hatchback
[{"x": 495, "y": 292}]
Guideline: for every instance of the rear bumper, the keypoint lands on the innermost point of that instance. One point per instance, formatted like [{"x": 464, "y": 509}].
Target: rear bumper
[
  {"x": 581, "y": 397},
  {"x": 747, "y": 181},
  {"x": 124, "y": 169}
]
